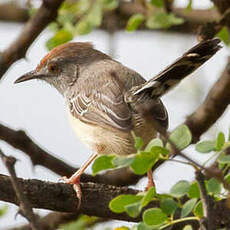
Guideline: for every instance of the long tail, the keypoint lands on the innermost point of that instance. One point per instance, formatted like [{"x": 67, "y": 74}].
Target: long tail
[{"x": 173, "y": 74}]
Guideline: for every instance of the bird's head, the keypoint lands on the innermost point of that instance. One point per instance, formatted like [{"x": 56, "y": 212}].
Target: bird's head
[{"x": 61, "y": 66}]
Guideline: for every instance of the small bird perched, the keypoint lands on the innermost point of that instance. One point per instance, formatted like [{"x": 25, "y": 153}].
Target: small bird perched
[{"x": 107, "y": 101}]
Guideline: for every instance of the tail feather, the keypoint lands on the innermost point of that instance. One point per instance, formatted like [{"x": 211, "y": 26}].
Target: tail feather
[{"x": 182, "y": 67}]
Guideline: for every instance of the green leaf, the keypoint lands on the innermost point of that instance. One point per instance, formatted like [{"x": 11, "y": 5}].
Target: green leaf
[
  {"x": 157, "y": 150},
  {"x": 102, "y": 163},
  {"x": 227, "y": 178},
  {"x": 188, "y": 207},
  {"x": 134, "y": 209},
  {"x": 119, "y": 228},
  {"x": 187, "y": 227},
  {"x": 83, "y": 6},
  {"x": 3, "y": 210},
  {"x": 213, "y": 186},
  {"x": 224, "y": 35},
  {"x": 154, "y": 216},
  {"x": 206, "y": 146},
  {"x": 157, "y": 3},
  {"x": 110, "y": 4},
  {"x": 189, "y": 6},
  {"x": 118, "y": 204},
  {"x": 62, "y": 36},
  {"x": 194, "y": 191},
  {"x": 134, "y": 22},
  {"x": 180, "y": 188},
  {"x": 198, "y": 210},
  {"x": 168, "y": 205},
  {"x": 220, "y": 141},
  {"x": 123, "y": 161},
  {"x": 81, "y": 223},
  {"x": 138, "y": 142},
  {"x": 83, "y": 27},
  {"x": 143, "y": 226},
  {"x": 163, "y": 20},
  {"x": 224, "y": 159},
  {"x": 143, "y": 162},
  {"x": 181, "y": 137},
  {"x": 148, "y": 197},
  {"x": 95, "y": 15},
  {"x": 152, "y": 143}
]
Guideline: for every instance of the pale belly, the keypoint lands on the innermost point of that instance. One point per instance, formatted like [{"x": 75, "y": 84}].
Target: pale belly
[{"x": 101, "y": 140}]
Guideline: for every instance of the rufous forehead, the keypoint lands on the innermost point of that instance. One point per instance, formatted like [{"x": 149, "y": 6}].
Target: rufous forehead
[{"x": 69, "y": 49}]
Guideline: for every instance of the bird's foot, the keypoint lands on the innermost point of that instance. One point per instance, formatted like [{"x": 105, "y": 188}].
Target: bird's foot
[{"x": 75, "y": 181}]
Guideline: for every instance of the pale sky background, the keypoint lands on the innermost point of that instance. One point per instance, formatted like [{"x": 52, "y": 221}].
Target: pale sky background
[{"x": 39, "y": 110}]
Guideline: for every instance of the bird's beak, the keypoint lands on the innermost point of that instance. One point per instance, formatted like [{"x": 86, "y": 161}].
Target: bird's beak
[{"x": 28, "y": 76}]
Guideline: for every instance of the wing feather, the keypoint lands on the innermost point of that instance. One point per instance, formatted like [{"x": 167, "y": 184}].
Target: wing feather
[{"x": 103, "y": 106}]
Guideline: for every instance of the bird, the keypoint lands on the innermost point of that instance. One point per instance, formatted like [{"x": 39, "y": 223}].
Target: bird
[{"x": 108, "y": 101}]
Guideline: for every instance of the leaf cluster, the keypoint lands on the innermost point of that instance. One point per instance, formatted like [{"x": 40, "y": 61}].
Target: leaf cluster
[
  {"x": 81, "y": 17},
  {"x": 184, "y": 197}
]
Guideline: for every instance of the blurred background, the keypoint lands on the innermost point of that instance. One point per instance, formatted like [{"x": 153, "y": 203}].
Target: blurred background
[{"x": 40, "y": 111}]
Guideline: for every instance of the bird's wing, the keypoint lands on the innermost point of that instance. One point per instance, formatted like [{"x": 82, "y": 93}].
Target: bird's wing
[
  {"x": 101, "y": 103},
  {"x": 182, "y": 67}
]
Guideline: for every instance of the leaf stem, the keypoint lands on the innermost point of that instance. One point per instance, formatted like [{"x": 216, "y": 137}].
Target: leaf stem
[{"x": 178, "y": 221}]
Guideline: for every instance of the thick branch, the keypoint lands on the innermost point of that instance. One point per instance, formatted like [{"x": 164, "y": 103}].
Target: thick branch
[
  {"x": 213, "y": 106},
  {"x": 11, "y": 12},
  {"x": 17, "y": 50},
  {"x": 61, "y": 197}
]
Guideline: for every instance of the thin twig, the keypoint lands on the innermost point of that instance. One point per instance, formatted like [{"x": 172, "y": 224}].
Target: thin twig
[
  {"x": 208, "y": 203},
  {"x": 25, "y": 207}
]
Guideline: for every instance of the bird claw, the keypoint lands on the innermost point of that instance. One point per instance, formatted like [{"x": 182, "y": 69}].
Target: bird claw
[{"x": 76, "y": 187}]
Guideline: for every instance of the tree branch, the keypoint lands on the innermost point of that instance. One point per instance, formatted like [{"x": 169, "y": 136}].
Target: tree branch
[
  {"x": 51, "y": 221},
  {"x": 17, "y": 50},
  {"x": 11, "y": 12},
  {"x": 25, "y": 207},
  {"x": 61, "y": 197},
  {"x": 208, "y": 203},
  {"x": 210, "y": 29},
  {"x": 194, "y": 18},
  {"x": 213, "y": 106}
]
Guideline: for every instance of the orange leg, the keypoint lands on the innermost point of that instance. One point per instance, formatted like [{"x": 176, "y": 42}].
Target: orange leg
[
  {"x": 150, "y": 180},
  {"x": 75, "y": 178}
]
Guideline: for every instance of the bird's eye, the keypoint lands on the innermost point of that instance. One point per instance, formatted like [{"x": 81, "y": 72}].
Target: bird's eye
[{"x": 53, "y": 68}]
